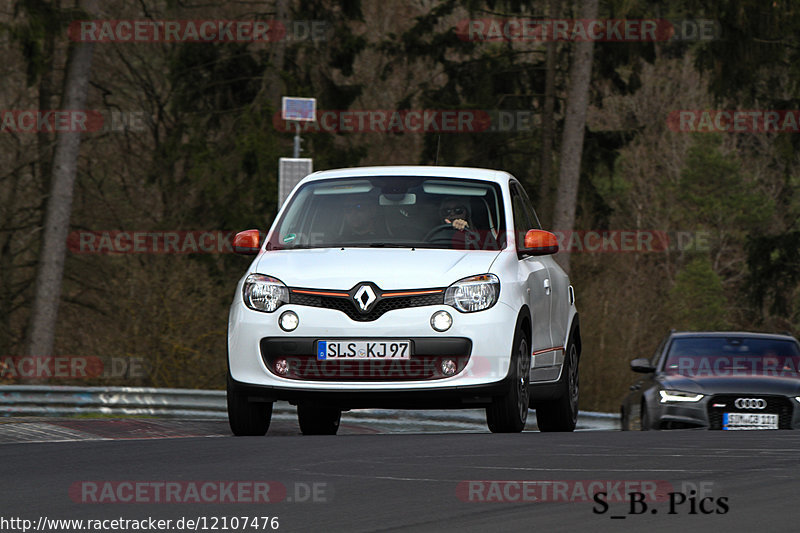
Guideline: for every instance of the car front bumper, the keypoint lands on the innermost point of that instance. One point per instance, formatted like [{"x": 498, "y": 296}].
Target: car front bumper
[
  {"x": 708, "y": 412},
  {"x": 488, "y": 335}
]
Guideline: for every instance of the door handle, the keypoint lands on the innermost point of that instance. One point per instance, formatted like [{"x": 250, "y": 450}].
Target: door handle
[{"x": 547, "y": 286}]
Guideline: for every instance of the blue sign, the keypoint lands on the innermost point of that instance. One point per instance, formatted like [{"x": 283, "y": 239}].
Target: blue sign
[{"x": 298, "y": 109}]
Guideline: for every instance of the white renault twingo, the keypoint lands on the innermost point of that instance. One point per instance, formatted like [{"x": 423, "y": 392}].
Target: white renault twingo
[{"x": 403, "y": 287}]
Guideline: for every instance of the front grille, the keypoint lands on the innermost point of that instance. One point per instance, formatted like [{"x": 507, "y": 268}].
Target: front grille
[
  {"x": 348, "y": 305},
  {"x": 779, "y": 405},
  {"x": 427, "y": 355}
]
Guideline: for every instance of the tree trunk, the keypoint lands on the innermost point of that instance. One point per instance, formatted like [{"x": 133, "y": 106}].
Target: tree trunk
[
  {"x": 50, "y": 268},
  {"x": 272, "y": 82},
  {"x": 580, "y": 75},
  {"x": 548, "y": 125}
]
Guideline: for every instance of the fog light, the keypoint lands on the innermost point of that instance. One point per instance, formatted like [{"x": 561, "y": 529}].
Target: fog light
[
  {"x": 288, "y": 321},
  {"x": 281, "y": 367},
  {"x": 441, "y": 321},
  {"x": 449, "y": 367}
]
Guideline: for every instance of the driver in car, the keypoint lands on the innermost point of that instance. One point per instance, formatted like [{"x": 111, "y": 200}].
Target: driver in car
[{"x": 455, "y": 211}]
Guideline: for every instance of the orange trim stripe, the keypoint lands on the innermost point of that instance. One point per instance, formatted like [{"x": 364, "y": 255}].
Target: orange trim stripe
[
  {"x": 411, "y": 293},
  {"x": 320, "y": 293},
  {"x": 548, "y": 350}
]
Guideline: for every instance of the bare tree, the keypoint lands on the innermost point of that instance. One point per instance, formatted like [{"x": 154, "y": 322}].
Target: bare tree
[
  {"x": 580, "y": 75},
  {"x": 548, "y": 123},
  {"x": 50, "y": 269}
]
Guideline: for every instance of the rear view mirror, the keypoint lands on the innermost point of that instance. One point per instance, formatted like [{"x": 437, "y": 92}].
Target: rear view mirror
[
  {"x": 642, "y": 365},
  {"x": 397, "y": 199},
  {"x": 247, "y": 242}
]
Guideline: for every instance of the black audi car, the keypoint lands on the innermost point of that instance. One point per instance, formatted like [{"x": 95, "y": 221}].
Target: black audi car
[{"x": 716, "y": 380}]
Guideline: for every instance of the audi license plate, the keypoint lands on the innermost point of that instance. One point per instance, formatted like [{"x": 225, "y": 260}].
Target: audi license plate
[
  {"x": 349, "y": 350},
  {"x": 749, "y": 421}
]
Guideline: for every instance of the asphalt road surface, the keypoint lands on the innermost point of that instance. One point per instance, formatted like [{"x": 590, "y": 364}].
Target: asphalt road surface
[{"x": 368, "y": 479}]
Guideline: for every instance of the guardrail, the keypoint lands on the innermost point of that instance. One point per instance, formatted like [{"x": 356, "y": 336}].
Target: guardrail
[{"x": 46, "y": 400}]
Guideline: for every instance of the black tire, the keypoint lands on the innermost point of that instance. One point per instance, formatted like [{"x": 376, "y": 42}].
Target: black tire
[
  {"x": 644, "y": 418},
  {"x": 509, "y": 413},
  {"x": 562, "y": 414},
  {"x": 247, "y": 418},
  {"x": 316, "y": 420}
]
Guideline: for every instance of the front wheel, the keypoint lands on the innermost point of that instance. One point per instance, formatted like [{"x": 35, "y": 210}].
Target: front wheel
[
  {"x": 644, "y": 418},
  {"x": 247, "y": 418},
  {"x": 624, "y": 423},
  {"x": 562, "y": 414},
  {"x": 316, "y": 420},
  {"x": 508, "y": 413}
]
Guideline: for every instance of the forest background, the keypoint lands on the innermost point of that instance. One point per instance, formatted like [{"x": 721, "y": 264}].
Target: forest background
[{"x": 191, "y": 140}]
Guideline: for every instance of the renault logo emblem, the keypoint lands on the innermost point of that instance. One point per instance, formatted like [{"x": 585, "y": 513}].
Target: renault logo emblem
[
  {"x": 365, "y": 297},
  {"x": 750, "y": 403}
]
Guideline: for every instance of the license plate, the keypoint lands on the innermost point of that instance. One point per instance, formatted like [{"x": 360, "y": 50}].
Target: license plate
[
  {"x": 749, "y": 421},
  {"x": 350, "y": 350}
]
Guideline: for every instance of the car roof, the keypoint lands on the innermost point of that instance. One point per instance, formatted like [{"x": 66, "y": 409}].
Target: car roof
[
  {"x": 496, "y": 176},
  {"x": 748, "y": 334}
]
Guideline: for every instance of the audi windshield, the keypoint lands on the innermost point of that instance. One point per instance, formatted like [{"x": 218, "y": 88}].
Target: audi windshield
[
  {"x": 727, "y": 356},
  {"x": 393, "y": 211}
]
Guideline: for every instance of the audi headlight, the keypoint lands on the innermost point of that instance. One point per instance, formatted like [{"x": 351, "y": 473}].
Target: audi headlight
[
  {"x": 264, "y": 293},
  {"x": 679, "y": 396},
  {"x": 475, "y": 293}
]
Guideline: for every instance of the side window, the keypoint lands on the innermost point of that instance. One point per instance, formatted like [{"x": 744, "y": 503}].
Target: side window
[
  {"x": 521, "y": 221},
  {"x": 529, "y": 208},
  {"x": 656, "y": 356}
]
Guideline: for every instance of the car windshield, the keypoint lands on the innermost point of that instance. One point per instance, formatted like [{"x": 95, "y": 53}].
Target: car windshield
[
  {"x": 727, "y": 356},
  {"x": 393, "y": 211}
]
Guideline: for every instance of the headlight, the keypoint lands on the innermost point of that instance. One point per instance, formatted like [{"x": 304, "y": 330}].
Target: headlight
[
  {"x": 263, "y": 293},
  {"x": 679, "y": 396},
  {"x": 475, "y": 293}
]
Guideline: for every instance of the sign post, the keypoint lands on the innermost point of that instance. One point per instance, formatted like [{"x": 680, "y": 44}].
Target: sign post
[
  {"x": 292, "y": 170},
  {"x": 297, "y": 110}
]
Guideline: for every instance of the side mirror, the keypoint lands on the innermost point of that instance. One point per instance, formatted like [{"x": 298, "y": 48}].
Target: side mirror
[
  {"x": 539, "y": 242},
  {"x": 247, "y": 242},
  {"x": 642, "y": 365}
]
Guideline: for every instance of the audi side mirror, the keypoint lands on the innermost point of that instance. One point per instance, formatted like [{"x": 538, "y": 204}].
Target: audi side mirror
[{"x": 642, "y": 365}]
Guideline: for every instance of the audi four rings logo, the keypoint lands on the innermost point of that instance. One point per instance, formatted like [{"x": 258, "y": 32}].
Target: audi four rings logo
[{"x": 750, "y": 403}]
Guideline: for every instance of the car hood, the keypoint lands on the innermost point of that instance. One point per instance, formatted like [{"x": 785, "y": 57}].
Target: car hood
[
  {"x": 388, "y": 268},
  {"x": 743, "y": 384}
]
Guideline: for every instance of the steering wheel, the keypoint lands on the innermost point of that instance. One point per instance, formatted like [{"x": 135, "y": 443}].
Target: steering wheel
[
  {"x": 445, "y": 234},
  {"x": 441, "y": 234}
]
